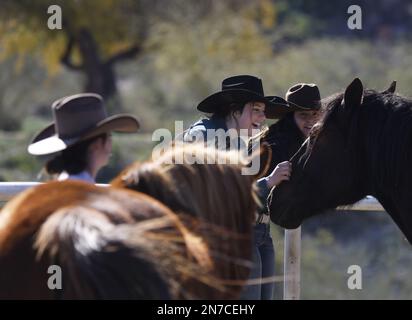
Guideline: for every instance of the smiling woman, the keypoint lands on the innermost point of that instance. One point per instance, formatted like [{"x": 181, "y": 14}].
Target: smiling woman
[
  {"x": 250, "y": 116},
  {"x": 240, "y": 105}
]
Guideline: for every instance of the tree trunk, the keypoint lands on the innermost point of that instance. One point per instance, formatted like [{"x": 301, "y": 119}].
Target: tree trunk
[{"x": 100, "y": 75}]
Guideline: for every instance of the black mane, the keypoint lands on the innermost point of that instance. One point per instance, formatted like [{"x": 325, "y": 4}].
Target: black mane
[
  {"x": 385, "y": 122},
  {"x": 361, "y": 146}
]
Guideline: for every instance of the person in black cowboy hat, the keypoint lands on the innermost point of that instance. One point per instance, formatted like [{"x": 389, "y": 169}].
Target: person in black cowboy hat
[
  {"x": 78, "y": 142},
  {"x": 242, "y": 105},
  {"x": 287, "y": 135}
]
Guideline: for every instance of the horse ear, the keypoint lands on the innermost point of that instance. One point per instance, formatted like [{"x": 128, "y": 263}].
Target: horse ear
[
  {"x": 391, "y": 88},
  {"x": 353, "y": 94},
  {"x": 263, "y": 156}
]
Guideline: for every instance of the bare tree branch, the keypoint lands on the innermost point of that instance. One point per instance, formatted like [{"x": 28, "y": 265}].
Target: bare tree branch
[
  {"x": 124, "y": 55},
  {"x": 66, "y": 58}
]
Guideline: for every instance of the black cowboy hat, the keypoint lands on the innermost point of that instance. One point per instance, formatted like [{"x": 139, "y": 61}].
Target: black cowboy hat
[
  {"x": 77, "y": 118},
  {"x": 286, "y": 107},
  {"x": 304, "y": 96},
  {"x": 241, "y": 89}
]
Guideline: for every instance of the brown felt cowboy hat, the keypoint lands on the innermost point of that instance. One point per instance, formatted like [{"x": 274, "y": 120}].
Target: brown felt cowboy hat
[
  {"x": 299, "y": 97},
  {"x": 304, "y": 96},
  {"x": 241, "y": 89},
  {"x": 286, "y": 107},
  {"x": 78, "y": 118}
]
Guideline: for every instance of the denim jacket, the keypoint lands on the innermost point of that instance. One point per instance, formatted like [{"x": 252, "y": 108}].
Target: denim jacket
[{"x": 200, "y": 128}]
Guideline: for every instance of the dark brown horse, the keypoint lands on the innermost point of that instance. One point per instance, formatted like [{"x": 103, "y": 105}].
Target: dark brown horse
[
  {"x": 363, "y": 146},
  {"x": 215, "y": 201}
]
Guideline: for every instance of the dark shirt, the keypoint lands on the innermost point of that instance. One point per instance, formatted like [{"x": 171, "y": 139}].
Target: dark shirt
[
  {"x": 214, "y": 132},
  {"x": 201, "y": 127},
  {"x": 284, "y": 138}
]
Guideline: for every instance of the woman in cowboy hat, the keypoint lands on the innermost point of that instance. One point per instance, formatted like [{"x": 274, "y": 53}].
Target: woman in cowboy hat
[
  {"x": 241, "y": 106},
  {"x": 287, "y": 135},
  {"x": 79, "y": 140}
]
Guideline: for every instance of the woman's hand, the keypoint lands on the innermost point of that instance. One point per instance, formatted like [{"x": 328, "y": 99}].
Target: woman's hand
[{"x": 281, "y": 173}]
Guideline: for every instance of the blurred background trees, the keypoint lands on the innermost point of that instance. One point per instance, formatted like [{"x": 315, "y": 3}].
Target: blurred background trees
[
  {"x": 96, "y": 34},
  {"x": 158, "y": 58}
]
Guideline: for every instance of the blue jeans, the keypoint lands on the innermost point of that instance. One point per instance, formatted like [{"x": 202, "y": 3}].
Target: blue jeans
[{"x": 263, "y": 265}]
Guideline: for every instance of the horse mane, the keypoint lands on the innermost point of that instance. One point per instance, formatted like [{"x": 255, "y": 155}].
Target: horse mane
[
  {"x": 180, "y": 234},
  {"x": 215, "y": 200},
  {"x": 385, "y": 121},
  {"x": 195, "y": 189},
  {"x": 389, "y": 136},
  {"x": 34, "y": 210},
  {"x": 96, "y": 260},
  {"x": 110, "y": 243}
]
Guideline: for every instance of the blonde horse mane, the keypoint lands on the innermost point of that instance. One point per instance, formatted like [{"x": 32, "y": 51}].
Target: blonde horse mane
[
  {"x": 216, "y": 200},
  {"x": 110, "y": 243}
]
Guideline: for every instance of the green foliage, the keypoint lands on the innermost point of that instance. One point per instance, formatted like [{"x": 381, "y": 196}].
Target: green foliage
[
  {"x": 114, "y": 25},
  {"x": 23, "y": 25},
  {"x": 30, "y": 92}
]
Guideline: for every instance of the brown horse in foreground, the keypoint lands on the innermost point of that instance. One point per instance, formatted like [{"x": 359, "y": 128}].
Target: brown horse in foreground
[
  {"x": 109, "y": 244},
  {"x": 116, "y": 243},
  {"x": 215, "y": 201}
]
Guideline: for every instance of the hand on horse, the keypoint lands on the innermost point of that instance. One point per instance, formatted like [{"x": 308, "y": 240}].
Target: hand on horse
[{"x": 281, "y": 173}]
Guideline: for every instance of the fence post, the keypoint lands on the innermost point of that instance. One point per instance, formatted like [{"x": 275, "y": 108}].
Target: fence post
[{"x": 291, "y": 286}]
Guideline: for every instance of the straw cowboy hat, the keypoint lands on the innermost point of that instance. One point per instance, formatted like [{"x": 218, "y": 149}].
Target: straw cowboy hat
[
  {"x": 242, "y": 89},
  {"x": 77, "y": 118}
]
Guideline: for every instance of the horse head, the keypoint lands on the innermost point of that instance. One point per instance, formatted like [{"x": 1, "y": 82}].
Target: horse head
[{"x": 356, "y": 149}]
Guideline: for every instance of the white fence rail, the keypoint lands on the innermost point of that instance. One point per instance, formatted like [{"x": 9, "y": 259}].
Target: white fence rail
[
  {"x": 291, "y": 289},
  {"x": 10, "y": 189}
]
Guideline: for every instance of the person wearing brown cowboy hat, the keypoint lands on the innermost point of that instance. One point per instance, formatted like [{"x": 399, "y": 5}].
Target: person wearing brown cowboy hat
[
  {"x": 78, "y": 142},
  {"x": 284, "y": 138},
  {"x": 287, "y": 135}
]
